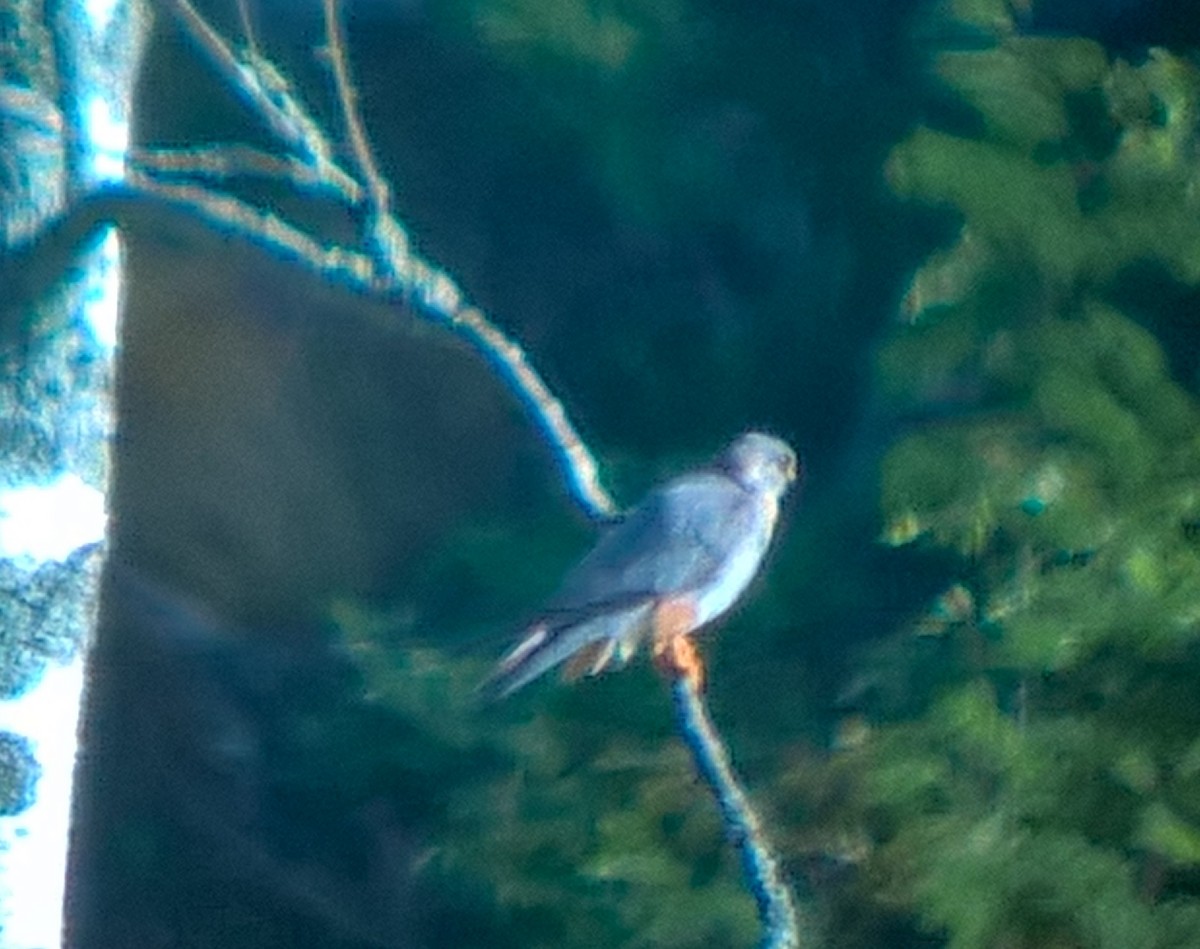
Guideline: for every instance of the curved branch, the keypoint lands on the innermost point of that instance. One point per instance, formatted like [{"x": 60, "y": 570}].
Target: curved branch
[
  {"x": 776, "y": 908},
  {"x": 264, "y": 88},
  {"x": 394, "y": 268},
  {"x": 224, "y": 163},
  {"x": 241, "y": 218},
  {"x": 432, "y": 292},
  {"x": 360, "y": 144},
  {"x": 579, "y": 467}
]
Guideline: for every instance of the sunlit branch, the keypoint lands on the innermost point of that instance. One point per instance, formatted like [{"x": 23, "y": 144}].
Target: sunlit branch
[
  {"x": 247, "y": 21},
  {"x": 360, "y": 144},
  {"x": 239, "y": 217},
  {"x": 264, "y": 88},
  {"x": 393, "y": 269},
  {"x": 578, "y": 463},
  {"x": 776, "y": 908},
  {"x": 225, "y": 162}
]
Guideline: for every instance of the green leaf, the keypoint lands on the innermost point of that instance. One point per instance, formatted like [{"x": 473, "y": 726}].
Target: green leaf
[{"x": 1165, "y": 832}]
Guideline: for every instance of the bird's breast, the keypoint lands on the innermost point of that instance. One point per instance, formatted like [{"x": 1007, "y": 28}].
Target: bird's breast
[{"x": 739, "y": 567}]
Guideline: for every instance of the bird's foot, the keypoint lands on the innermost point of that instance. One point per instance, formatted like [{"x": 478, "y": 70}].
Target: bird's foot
[{"x": 678, "y": 657}]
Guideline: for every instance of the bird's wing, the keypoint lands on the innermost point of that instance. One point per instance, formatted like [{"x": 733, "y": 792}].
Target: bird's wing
[
  {"x": 590, "y": 642},
  {"x": 676, "y": 540}
]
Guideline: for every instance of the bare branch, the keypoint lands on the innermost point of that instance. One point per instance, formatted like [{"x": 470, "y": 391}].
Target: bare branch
[
  {"x": 264, "y": 88},
  {"x": 232, "y": 214},
  {"x": 360, "y": 145},
  {"x": 427, "y": 287},
  {"x": 223, "y": 162},
  {"x": 248, "y": 30},
  {"x": 578, "y": 464},
  {"x": 394, "y": 267},
  {"x": 776, "y": 907}
]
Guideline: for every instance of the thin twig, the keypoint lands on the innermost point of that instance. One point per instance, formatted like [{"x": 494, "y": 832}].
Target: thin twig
[
  {"x": 437, "y": 291},
  {"x": 579, "y": 466},
  {"x": 223, "y": 162},
  {"x": 230, "y": 67},
  {"x": 248, "y": 30},
  {"x": 387, "y": 235},
  {"x": 230, "y": 214},
  {"x": 264, "y": 88},
  {"x": 360, "y": 144},
  {"x": 776, "y": 907},
  {"x": 394, "y": 268}
]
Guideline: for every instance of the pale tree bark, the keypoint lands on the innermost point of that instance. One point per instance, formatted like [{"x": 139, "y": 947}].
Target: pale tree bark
[{"x": 64, "y": 111}]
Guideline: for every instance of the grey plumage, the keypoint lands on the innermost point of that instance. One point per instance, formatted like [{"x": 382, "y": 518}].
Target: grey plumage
[{"x": 700, "y": 536}]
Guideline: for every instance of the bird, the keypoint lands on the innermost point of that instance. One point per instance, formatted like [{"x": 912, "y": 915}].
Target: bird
[{"x": 676, "y": 563}]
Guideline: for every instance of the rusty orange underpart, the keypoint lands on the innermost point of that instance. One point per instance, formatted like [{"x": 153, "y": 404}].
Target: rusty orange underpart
[
  {"x": 591, "y": 660},
  {"x": 673, "y": 617},
  {"x": 674, "y": 652}
]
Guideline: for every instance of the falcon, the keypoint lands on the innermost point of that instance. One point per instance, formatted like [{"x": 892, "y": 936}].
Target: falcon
[{"x": 674, "y": 564}]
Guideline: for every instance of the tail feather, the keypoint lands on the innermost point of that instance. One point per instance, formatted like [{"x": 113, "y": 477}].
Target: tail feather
[
  {"x": 593, "y": 640},
  {"x": 591, "y": 660}
]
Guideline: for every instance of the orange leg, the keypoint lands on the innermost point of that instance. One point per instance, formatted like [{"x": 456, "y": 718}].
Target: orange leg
[
  {"x": 679, "y": 657},
  {"x": 674, "y": 652}
]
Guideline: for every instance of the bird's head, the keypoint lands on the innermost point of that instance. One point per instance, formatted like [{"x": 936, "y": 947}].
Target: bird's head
[{"x": 760, "y": 462}]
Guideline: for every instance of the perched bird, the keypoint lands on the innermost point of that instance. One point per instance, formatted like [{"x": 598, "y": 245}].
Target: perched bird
[{"x": 675, "y": 563}]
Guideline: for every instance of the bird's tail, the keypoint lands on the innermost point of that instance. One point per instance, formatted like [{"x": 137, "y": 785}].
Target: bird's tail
[{"x": 587, "y": 644}]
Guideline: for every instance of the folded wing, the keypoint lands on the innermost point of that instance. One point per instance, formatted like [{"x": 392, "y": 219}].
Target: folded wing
[
  {"x": 588, "y": 643},
  {"x": 667, "y": 546}
]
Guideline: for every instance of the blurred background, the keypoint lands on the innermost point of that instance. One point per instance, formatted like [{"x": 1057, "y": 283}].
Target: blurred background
[{"x": 949, "y": 250}]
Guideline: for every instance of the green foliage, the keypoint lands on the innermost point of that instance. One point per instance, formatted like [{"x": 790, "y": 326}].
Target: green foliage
[
  {"x": 1083, "y": 167},
  {"x": 1028, "y": 775}
]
